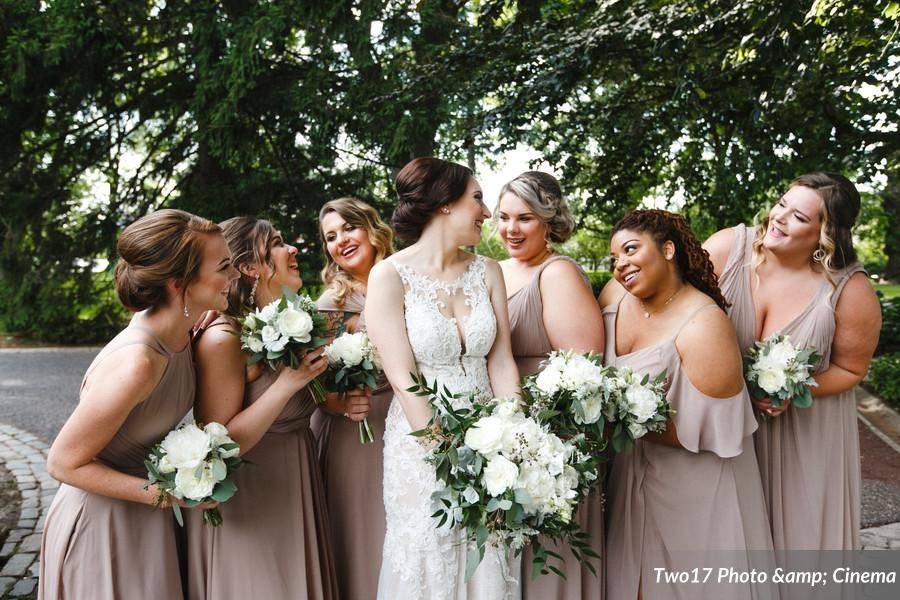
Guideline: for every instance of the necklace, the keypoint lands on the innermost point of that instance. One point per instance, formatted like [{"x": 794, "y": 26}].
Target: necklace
[{"x": 647, "y": 313}]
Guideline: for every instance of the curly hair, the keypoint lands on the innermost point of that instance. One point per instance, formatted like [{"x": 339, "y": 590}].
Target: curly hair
[
  {"x": 249, "y": 240},
  {"x": 543, "y": 195},
  {"x": 359, "y": 214},
  {"x": 840, "y": 207},
  {"x": 691, "y": 260}
]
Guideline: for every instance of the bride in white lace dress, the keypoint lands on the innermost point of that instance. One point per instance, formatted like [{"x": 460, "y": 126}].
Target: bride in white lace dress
[{"x": 435, "y": 309}]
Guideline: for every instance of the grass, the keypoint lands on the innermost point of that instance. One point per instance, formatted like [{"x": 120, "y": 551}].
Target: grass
[{"x": 890, "y": 290}]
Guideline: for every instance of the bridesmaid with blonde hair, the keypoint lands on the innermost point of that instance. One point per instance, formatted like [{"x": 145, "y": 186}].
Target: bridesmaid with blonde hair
[
  {"x": 797, "y": 274},
  {"x": 551, "y": 307},
  {"x": 107, "y": 536},
  {"x": 690, "y": 496},
  {"x": 274, "y": 542},
  {"x": 354, "y": 239}
]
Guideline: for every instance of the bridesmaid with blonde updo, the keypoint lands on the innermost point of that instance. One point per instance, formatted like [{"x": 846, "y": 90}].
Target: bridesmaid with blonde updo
[
  {"x": 551, "y": 307},
  {"x": 797, "y": 274},
  {"x": 106, "y": 536},
  {"x": 354, "y": 239}
]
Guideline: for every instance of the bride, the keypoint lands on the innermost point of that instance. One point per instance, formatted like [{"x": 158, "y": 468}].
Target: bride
[{"x": 439, "y": 311}]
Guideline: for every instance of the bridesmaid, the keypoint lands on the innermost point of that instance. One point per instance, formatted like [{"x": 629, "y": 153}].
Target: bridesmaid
[
  {"x": 103, "y": 538},
  {"x": 679, "y": 498},
  {"x": 797, "y": 274},
  {"x": 545, "y": 290},
  {"x": 274, "y": 540},
  {"x": 354, "y": 239}
]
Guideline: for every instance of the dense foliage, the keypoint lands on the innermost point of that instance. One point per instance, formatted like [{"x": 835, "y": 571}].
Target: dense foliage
[{"x": 109, "y": 109}]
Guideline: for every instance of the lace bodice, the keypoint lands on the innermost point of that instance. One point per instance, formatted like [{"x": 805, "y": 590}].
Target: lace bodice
[{"x": 421, "y": 561}]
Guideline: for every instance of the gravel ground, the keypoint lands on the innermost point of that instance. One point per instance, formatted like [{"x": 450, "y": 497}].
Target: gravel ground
[{"x": 39, "y": 387}]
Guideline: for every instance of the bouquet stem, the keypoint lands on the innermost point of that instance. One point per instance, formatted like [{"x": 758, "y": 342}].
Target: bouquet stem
[
  {"x": 365, "y": 432},
  {"x": 318, "y": 392}
]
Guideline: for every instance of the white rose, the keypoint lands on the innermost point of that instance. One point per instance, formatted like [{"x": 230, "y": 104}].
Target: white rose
[
  {"x": 507, "y": 407},
  {"x": 219, "y": 435},
  {"x": 593, "y": 408},
  {"x": 499, "y": 475},
  {"x": 186, "y": 447},
  {"x": 269, "y": 334},
  {"x": 642, "y": 402},
  {"x": 296, "y": 324},
  {"x": 267, "y": 314},
  {"x": 349, "y": 349},
  {"x": 636, "y": 430},
  {"x": 549, "y": 380},
  {"x": 255, "y": 344},
  {"x": 782, "y": 353},
  {"x": 486, "y": 435},
  {"x": 164, "y": 466},
  {"x": 194, "y": 484},
  {"x": 770, "y": 378},
  {"x": 540, "y": 485}
]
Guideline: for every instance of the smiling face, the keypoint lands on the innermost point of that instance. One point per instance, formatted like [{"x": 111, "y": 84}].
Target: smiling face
[
  {"x": 522, "y": 232},
  {"x": 347, "y": 245},
  {"x": 209, "y": 290},
  {"x": 638, "y": 262},
  {"x": 468, "y": 214},
  {"x": 795, "y": 222},
  {"x": 287, "y": 272}
]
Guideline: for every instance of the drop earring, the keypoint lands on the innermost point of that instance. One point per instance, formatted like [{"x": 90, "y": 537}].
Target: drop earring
[
  {"x": 253, "y": 291},
  {"x": 819, "y": 255},
  {"x": 187, "y": 315}
]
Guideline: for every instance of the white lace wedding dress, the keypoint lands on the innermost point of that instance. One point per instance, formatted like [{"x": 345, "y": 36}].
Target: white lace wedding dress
[{"x": 422, "y": 562}]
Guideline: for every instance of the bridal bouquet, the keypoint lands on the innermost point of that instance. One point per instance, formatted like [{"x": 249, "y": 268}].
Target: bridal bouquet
[
  {"x": 353, "y": 363},
  {"x": 776, "y": 369},
  {"x": 195, "y": 465},
  {"x": 282, "y": 331},
  {"x": 504, "y": 477},
  {"x": 636, "y": 405},
  {"x": 569, "y": 393}
]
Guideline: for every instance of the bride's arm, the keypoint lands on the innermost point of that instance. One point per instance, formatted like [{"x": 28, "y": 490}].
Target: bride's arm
[
  {"x": 386, "y": 327},
  {"x": 502, "y": 367}
]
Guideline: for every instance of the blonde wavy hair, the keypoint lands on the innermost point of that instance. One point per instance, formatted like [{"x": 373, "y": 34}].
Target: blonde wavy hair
[
  {"x": 840, "y": 207},
  {"x": 358, "y": 214}
]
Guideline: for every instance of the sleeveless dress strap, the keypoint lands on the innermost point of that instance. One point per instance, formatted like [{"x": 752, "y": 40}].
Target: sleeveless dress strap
[
  {"x": 691, "y": 316},
  {"x": 842, "y": 281}
]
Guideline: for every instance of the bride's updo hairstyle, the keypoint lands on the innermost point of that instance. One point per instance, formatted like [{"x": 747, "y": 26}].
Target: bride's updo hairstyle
[
  {"x": 691, "y": 260},
  {"x": 166, "y": 244},
  {"x": 423, "y": 186}
]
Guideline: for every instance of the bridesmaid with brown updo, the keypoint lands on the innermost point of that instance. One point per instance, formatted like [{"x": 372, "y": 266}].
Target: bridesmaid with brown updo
[
  {"x": 551, "y": 307},
  {"x": 274, "y": 541},
  {"x": 691, "y": 496},
  {"x": 354, "y": 239},
  {"x": 107, "y": 537},
  {"x": 797, "y": 274}
]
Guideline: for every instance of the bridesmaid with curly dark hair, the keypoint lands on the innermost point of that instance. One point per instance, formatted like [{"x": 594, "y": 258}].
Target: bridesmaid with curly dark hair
[{"x": 681, "y": 497}]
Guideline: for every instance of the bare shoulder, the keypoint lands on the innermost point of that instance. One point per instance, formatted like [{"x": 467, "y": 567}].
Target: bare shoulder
[
  {"x": 133, "y": 373},
  {"x": 218, "y": 342},
  {"x": 858, "y": 301},
  {"x": 562, "y": 277},
  {"x": 611, "y": 292},
  {"x": 719, "y": 247},
  {"x": 709, "y": 327},
  {"x": 384, "y": 273},
  {"x": 710, "y": 353}
]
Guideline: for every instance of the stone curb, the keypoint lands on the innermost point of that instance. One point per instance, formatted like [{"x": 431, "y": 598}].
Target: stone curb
[{"x": 26, "y": 457}]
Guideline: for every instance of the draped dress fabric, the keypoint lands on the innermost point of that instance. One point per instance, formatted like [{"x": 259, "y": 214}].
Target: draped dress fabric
[
  {"x": 104, "y": 548},
  {"x": 420, "y": 561},
  {"x": 680, "y": 507},
  {"x": 274, "y": 541},
  {"x": 808, "y": 457},
  {"x": 352, "y": 473},
  {"x": 530, "y": 345}
]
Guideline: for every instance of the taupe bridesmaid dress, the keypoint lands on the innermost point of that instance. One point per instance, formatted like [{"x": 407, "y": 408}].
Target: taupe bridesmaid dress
[
  {"x": 274, "y": 542},
  {"x": 353, "y": 476},
  {"x": 530, "y": 345},
  {"x": 808, "y": 457},
  {"x": 107, "y": 549},
  {"x": 680, "y": 508}
]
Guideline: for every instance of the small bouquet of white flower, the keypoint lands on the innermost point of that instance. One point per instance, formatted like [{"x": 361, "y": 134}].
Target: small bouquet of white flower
[
  {"x": 636, "y": 405},
  {"x": 195, "y": 465},
  {"x": 504, "y": 477},
  {"x": 353, "y": 363},
  {"x": 283, "y": 330},
  {"x": 776, "y": 369},
  {"x": 569, "y": 393}
]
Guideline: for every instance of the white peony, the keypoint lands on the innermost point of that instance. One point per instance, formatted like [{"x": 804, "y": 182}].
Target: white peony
[
  {"x": 642, "y": 402},
  {"x": 295, "y": 324},
  {"x": 349, "y": 349},
  {"x": 540, "y": 485},
  {"x": 499, "y": 475},
  {"x": 782, "y": 354},
  {"x": 593, "y": 408},
  {"x": 521, "y": 437},
  {"x": 507, "y": 407},
  {"x": 583, "y": 375},
  {"x": 255, "y": 344},
  {"x": 549, "y": 380},
  {"x": 186, "y": 447},
  {"x": 770, "y": 376},
  {"x": 194, "y": 483},
  {"x": 486, "y": 435}
]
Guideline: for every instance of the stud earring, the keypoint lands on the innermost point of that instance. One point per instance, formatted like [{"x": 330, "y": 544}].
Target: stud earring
[
  {"x": 445, "y": 210},
  {"x": 253, "y": 290}
]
